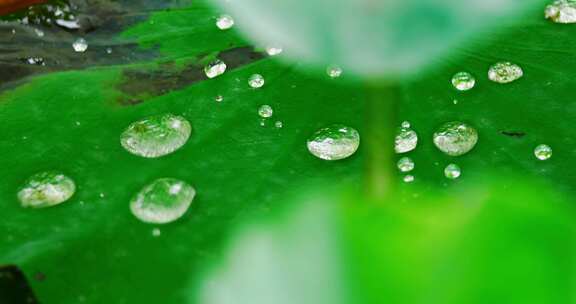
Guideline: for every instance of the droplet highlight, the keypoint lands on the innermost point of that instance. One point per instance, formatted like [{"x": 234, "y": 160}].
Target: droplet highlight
[
  {"x": 156, "y": 136},
  {"x": 334, "y": 142}
]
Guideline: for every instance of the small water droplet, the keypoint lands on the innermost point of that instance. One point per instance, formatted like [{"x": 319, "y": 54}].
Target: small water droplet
[
  {"x": 265, "y": 111},
  {"x": 35, "y": 61},
  {"x": 334, "y": 71},
  {"x": 561, "y": 11},
  {"x": 406, "y": 139},
  {"x": 452, "y": 171},
  {"x": 408, "y": 178},
  {"x": 39, "y": 32},
  {"x": 108, "y": 50},
  {"x": 215, "y": 68},
  {"x": 405, "y": 164},
  {"x": 46, "y": 189},
  {"x": 504, "y": 72},
  {"x": 463, "y": 81},
  {"x": 543, "y": 152},
  {"x": 455, "y": 138},
  {"x": 159, "y": 203},
  {"x": 156, "y": 232},
  {"x": 455, "y": 101},
  {"x": 273, "y": 50},
  {"x": 224, "y": 22},
  {"x": 334, "y": 142},
  {"x": 219, "y": 98},
  {"x": 278, "y": 124},
  {"x": 80, "y": 45},
  {"x": 256, "y": 81},
  {"x": 156, "y": 136},
  {"x": 405, "y": 124}
]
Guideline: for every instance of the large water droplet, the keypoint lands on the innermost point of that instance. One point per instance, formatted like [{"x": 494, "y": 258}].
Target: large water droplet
[
  {"x": 504, "y": 72},
  {"x": 405, "y": 164},
  {"x": 156, "y": 136},
  {"x": 334, "y": 142},
  {"x": 561, "y": 11},
  {"x": 543, "y": 152},
  {"x": 455, "y": 138},
  {"x": 162, "y": 201},
  {"x": 215, "y": 68},
  {"x": 256, "y": 81},
  {"x": 463, "y": 81},
  {"x": 452, "y": 171},
  {"x": 46, "y": 189},
  {"x": 406, "y": 139},
  {"x": 224, "y": 22},
  {"x": 265, "y": 111},
  {"x": 80, "y": 45}
]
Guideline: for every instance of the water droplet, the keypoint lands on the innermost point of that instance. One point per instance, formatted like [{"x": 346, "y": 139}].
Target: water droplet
[
  {"x": 405, "y": 164},
  {"x": 156, "y": 232},
  {"x": 35, "y": 61},
  {"x": 273, "y": 50},
  {"x": 156, "y": 136},
  {"x": 39, "y": 32},
  {"x": 408, "y": 178},
  {"x": 215, "y": 68},
  {"x": 455, "y": 138},
  {"x": 452, "y": 171},
  {"x": 46, "y": 189},
  {"x": 224, "y": 22},
  {"x": 278, "y": 124},
  {"x": 405, "y": 124},
  {"x": 504, "y": 72},
  {"x": 219, "y": 98},
  {"x": 543, "y": 152},
  {"x": 561, "y": 11},
  {"x": 463, "y": 81},
  {"x": 108, "y": 50},
  {"x": 256, "y": 81},
  {"x": 80, "y": 45},
  {"x": 265, "y": 111},
  {"x": 334, "y": 71},
  {"x": 455, "y": 101},
  {"x": 406, "y": 139},
  {"x": 334, "y": 142},
  {"x": 162, "y": 201}
]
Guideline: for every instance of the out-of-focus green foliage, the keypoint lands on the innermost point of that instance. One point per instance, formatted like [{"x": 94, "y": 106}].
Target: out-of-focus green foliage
[{"x": 387, "y": 38}]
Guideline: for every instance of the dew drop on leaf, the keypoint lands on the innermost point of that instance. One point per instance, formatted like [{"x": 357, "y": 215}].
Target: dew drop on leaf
[
  {"x": 80, "y": 45},
  {"x": 265, "y": 111},
  {"x": 405, "y": 164},
  {"x": 334, "y": 71},
  {"x": 504, "y": 72},
  {"x": 46, "y": 189},
  {"x": 224, "y": 22},
  {"x": 408, "y": 178},
  {"x": 543, "y": 152},
  {"x": 162, "y": 201},
  {"x": 455, "y": 138},
  {"x": 452, "y": 171},
  {"x": 463, "y": 81},
  {"x": 256, "y": 81},
  {"x": 561, "y": 11},
  {"x": 334, "y": 142},
  {"x": 273, "y": 50},
  {"x": 406, "y": 139},
  {"x": 156, "y": 136},
  {"x": 215, "y": 68}
]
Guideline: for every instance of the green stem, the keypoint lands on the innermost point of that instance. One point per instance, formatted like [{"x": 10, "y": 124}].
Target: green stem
[{"x": 381, "y": 124}]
